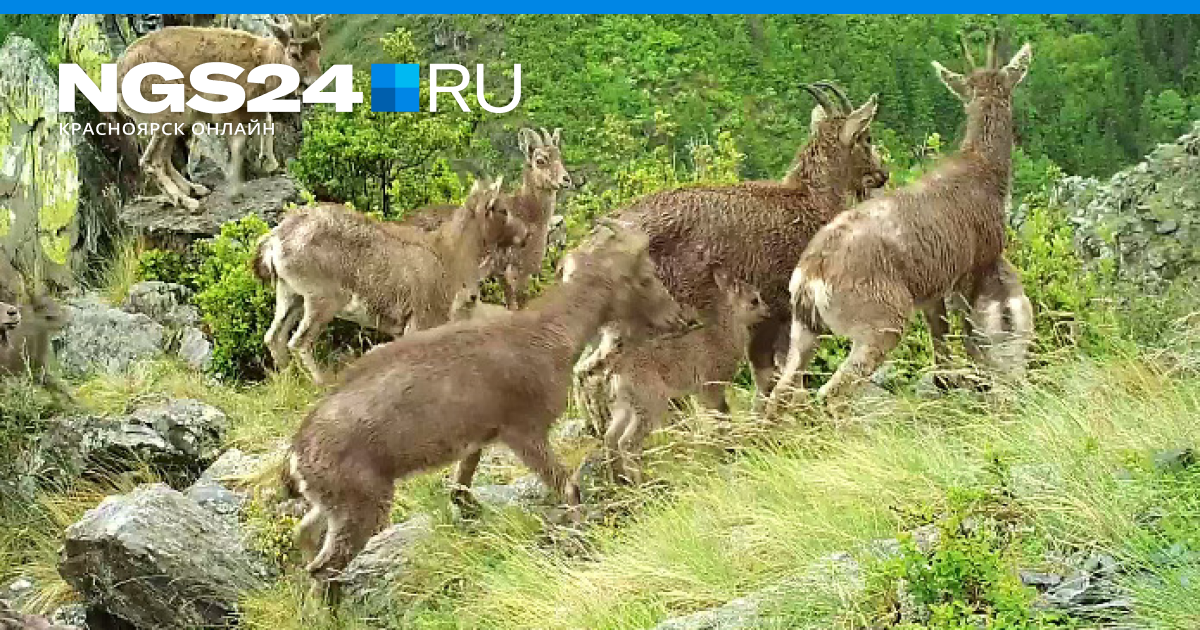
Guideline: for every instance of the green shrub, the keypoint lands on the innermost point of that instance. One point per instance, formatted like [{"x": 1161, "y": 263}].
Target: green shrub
[
  {"x": 966, "y": 578},
  {"x": 163, "y": 265},
  {"x": 235, "y": 307}
]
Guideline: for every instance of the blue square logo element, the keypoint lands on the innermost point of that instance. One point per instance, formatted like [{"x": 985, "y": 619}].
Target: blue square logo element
[{"x": 395, "y": 87}]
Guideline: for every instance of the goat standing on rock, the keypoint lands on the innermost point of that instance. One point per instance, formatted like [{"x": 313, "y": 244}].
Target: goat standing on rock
[
  {"x": 297, "y": 45},
  {"x": 331, "y": 261},
  {"x": 864, "y": 273},
  {"x": 443, "y": 394}
]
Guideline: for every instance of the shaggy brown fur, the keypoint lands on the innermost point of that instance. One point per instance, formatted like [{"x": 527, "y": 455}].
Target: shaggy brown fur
[
  {"x": 533, "y": 203},
  {"x": 297, "y": 45},
  {"x": 25, "y": 336},
  {"x": 331, "y": 262},
  {"x": 757, "y": 230},
  {"x": 865, "y": 272},
  {"x": 442, "y": 394},
  {"x": 645, "y": 378}
]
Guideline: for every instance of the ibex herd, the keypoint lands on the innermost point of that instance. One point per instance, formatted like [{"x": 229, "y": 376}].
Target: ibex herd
[{"x": 763, "y": 267}]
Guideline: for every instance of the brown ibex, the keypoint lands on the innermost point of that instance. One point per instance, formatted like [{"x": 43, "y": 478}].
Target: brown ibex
[
  {"x": 645, "y": 378},
  {"x": 443, "y": 394},
  {"x": 869, "y": 269},
  {"x": 25, "y": 336},
  {"x": 757, "y": 230},
  {"x": 329, "y": 261},
  {"x": 533, "y": 203},
  {"x": 297, "y": 45}
]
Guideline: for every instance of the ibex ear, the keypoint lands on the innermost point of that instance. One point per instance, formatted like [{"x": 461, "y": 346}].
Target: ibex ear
[
  {"x": 528, "y": 140},
  {"x": 858, "y": 121},
  {"x": 319, "y": 21},
  {"x": 1015, "y": 71},
  {"x": 556, "y": 137},
  {"x": 721, "y": 277},
  {"x": 956, "y": 82},
  {"x": 818, "y": 114}
]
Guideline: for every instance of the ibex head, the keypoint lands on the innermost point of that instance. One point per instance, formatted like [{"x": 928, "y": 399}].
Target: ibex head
[
  {"x": 852, "y": 128},
  {"x": 543, "y": 159},
  {"x": 989, "y": 81},
  {"x": 301, "y": 40},
  {"x": 10, "y": 318}
]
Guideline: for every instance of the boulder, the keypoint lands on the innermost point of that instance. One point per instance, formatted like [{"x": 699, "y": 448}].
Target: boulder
[
  {"x": 39, "y": 171},
  {"x": 385, "y": 557},
  {"x": 1144, "y": 220},
  {"x": 194, "y": 349},
  {"x": 164, "y": 302},
  {"x": 213, "y": 490},
  {"x": 526, "y": 491},
  {"x": 103, "y": 339},
  {"x": 179, "y": 438},
  {"x": 10, "y": 619},
  {"x": 166, "y": 226},
  {"x": 157, "y": 559}
]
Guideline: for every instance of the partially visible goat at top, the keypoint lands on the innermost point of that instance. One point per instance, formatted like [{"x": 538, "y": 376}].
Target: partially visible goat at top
[
  {"x": 865, "y": 273},
  {"x": 297, "y": 45}
]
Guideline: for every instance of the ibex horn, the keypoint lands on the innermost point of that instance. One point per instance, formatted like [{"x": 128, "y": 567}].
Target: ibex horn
[
  {"x": 820, "y": 97},
  {"x": 966, "y": 48},
  {"x": 991, "y": 52},
  {"x": 842, "y": 99}
]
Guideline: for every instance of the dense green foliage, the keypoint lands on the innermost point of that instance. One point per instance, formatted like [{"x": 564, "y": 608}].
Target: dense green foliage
[
  {"x": 235, "y": 307},
  {"x": 40, "y": 28},
  {"x": 1103, "y": 89},
  {"x": 385, "y": 162}
]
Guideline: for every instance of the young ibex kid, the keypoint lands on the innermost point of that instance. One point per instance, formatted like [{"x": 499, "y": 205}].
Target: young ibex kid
[
  {"x": 868, "y": 270},
  {"x": 25, "y": 336},
  {"x": 442, "y": 394},
  {"x": 645, "y": 378}
]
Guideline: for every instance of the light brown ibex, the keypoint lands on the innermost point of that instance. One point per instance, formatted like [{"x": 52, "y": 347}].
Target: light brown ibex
[
  {"x": 757, "y": 230},
  {"x": 442, "y": 394},
  {"x": 533, "y": 203},
  {"x": 25, "y": 336},
  {"x": 297, "y": 45},
  {"x": 329, "y": 261},
  {"x": 645, "y": 378},
  {"x": 868, "y": 270}
]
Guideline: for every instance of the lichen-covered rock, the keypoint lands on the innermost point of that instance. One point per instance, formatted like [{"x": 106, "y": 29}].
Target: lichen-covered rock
[
  {"x": 385, "y": 557},
  {"x": 10, "y": 619},
  {"x": 526, "y": 491},
  {"x": 108, "y": 340},
  {"x": 39, "y": 183},
  {"x": 166, "y": 226},
  {"x": 158, "y": 560},
  {"x": 1144, "y": 222},
  {"x": 179, "y": 438},
  {"x": 213, "y": 489},
  {"x": 194, "y": 349}
]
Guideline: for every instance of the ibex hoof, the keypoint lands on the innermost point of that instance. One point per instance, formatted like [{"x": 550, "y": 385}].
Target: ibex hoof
[
  {"x": 200, "y": 190},
  {"x": 189, "y": 204},
  {"x": 270, "y": 166}
]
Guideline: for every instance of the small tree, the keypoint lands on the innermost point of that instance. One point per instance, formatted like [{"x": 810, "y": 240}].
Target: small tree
[{"x": 382, "y": 161}]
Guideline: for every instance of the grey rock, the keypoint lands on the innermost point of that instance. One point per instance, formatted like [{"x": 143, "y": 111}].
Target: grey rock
[
  {"x": 1039, "y": 579},
  {"x": 385, "y": 557},
  {"x": 71, "y": 615},
  {"x": 213, "y": 490},
  {"x": 524, "y": 491},
  {"x": 157, "y": 559},
  {"x": 737, "y": 614},
  {"x": 178, "y": 437},
  {"x": 11, "y": 619},
  {"x": 164, "y": 302},
  {"x": 166, "y": 226},
  {"x": 1143, "y": 220},
  {"x": 1090, "y": 592},
  {"x": 102, "y": 339},
  {"x": 195, "y": 349},
  {"x": 1175, "y": 460}
]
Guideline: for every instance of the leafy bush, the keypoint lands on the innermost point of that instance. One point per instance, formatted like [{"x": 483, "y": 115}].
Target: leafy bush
[
  {"x": 163, "y": 265},
  {"x": 965, "y": 578},
  {"x": 236, "y": 308}
]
